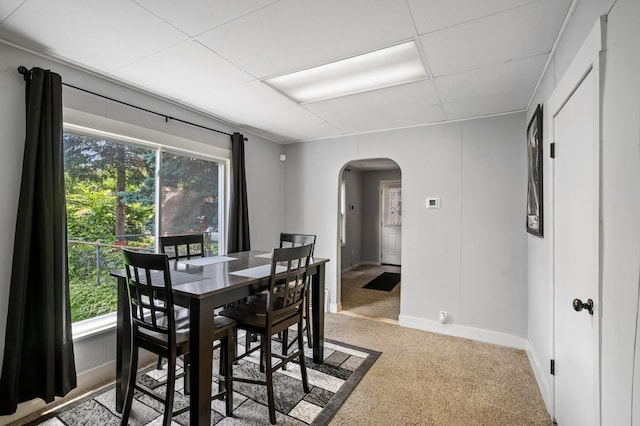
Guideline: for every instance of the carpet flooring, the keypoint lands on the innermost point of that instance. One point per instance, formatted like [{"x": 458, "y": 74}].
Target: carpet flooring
[
  {"x": 424, "y": 378},
  {"x": 331, "y": 383},
  {"x": 360, "y": 301}
]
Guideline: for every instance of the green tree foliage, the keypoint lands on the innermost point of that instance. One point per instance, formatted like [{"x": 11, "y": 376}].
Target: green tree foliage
[
  {"x": 104, "y": 206},
  {"x": 190, "y": 192},
  {"x": 90, "y": 211},
  {"x": 111, "y": 203},
  {"x": 94, "y": 160}
]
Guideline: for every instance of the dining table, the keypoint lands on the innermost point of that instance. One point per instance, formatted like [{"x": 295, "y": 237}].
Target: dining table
[{"x": 202, "y": 285}]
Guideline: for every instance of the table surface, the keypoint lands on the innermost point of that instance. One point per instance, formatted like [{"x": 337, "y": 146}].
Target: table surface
[{"x": 203, "y": 288}]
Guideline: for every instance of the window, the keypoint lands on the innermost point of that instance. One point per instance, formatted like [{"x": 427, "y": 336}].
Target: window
[
  {"x": 189, "y": 198},
  {"x": 343, "y": 212},
  {"x": 392, "y": 207},
  {"x": 125, "y": 194}
]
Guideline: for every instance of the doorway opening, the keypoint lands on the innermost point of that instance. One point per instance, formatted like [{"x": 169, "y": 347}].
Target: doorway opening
[{"x": 369, "y": 229}]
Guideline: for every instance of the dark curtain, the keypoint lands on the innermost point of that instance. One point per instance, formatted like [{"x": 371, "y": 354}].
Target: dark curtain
[
  {"x": 38, "y": 352},
  {"x": 238, "y": 208}
]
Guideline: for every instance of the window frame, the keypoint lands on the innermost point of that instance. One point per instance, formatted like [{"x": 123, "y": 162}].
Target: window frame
[{"x": 102, "y": 128}]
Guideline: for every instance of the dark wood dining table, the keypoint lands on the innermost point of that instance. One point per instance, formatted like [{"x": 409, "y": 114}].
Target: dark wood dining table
[{"x": 203, "y": 287}]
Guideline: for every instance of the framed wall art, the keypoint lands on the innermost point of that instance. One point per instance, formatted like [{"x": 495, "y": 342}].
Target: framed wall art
[{"x": 534, "y": 180}]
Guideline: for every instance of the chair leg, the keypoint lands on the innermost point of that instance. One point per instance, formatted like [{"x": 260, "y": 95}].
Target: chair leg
[
  {"x": 132, "y": 387},
  {"x": 228, "y": 373},
  {"x": 248, "y": 338},
  {"x": 266, "y": 344},
  {"x": 222, "y": 366},
  {"x": 186, "y": 379},
  {"x": 235, "y": 346},
  {"x": 303, "y": 367},
  {"x": 285, "y": 344},
  {"x": 159, "y": 365},
  {"x": 307, "y": 318},
  {"x": 171, "y": 386},
  {"x": 247, "y": 341},
  {"x": 262, "y": 352}
]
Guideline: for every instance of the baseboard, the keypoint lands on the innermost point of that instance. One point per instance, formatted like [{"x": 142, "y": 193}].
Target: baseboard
[
  {"x": 347, "y": 269},
  {"x": 365, "y": 262},
  {"x": 472, "y": 333},
  {"x": 354, "y": 266},
  {"x": 542, "y": 376},
  {"x": 334, "y": 308}
]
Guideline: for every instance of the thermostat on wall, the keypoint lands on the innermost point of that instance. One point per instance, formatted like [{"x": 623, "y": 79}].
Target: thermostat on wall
[{"x": 433, "y": 203}]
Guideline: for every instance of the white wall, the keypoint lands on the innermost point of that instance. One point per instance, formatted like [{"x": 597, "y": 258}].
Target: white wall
[
  {"x": 264, "y": 169},
  {"x": 12, "y": 123},
  {"x": 265, "y": 197},
  {"x": 351, "y": 251},
  {"x": 621, "y": 214},
  {"x": 620, "y": 201},
  {"x": 477, "y": 168}
]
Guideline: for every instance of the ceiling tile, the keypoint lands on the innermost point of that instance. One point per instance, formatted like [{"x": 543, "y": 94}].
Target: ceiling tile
[
  {"x": 190, "y": 68},
  {"x": 432, "y": 15},
  {"x": 297, "y": 34},
  {"x": 488, "y": 105},
  {"x": 521, "y": 75},
  {"x": 256, "y": 105},
  {"x": 517, "y": 33},
  {"x": 7, "y": 7},
  {"x": 197, "y": 16},
  {"x": 102, "y": 35},
  {"x": 486, "y": 55},
  {"x": 400, "y": 106}
]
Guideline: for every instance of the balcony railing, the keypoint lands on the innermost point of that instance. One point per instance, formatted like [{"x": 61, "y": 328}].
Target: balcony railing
[{"x": 93, "y": 290}]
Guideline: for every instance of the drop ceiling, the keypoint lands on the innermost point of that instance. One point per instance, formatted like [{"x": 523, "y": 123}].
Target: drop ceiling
[{"x": 482, "y": 57}]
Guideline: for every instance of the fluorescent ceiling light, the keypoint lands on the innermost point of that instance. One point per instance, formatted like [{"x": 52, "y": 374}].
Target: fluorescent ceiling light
[{"x": 375, "y": 70}]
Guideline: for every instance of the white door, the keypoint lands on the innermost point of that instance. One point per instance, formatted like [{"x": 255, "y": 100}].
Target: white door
[
  {"x": 576, "y": 257},
  {"x": 391, "y": 222}
]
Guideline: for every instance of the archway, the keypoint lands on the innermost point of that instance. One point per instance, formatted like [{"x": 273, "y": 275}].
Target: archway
[{"x": 360, "y": 227}]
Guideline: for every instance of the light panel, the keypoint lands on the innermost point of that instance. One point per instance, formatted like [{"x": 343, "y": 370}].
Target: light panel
[{"x": 375, "y": 70}]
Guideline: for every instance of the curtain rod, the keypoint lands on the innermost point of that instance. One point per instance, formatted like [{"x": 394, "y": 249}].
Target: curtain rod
[{"x": 25, "y": 73}]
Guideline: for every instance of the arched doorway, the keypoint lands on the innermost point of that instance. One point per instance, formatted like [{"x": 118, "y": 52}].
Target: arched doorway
[{"x": 364, "y": 227}]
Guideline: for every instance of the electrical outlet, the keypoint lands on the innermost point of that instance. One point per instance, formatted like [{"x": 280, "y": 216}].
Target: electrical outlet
[{"x": 443, "y": 317}]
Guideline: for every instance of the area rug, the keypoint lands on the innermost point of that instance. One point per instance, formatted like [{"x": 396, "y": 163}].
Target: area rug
[
  {"x": 330, "y": 383},
  {"x": 386, "y": 281}
]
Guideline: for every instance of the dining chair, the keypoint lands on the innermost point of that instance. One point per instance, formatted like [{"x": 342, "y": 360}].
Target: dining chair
[
  {"x": 280, "y": 309},
  {"x": 177, "y": 247},
  {"x": 183, "y": 246},
  {"x": 292, "y": 240},
  {"x": 154, "y": 327},
  {"x": 295, "y": 240}
]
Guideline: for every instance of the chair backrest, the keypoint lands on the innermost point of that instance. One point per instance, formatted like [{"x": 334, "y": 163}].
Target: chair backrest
[
  {"x": 295, "y": 240},
  {"x": 288, "y": 283},
  {"x": 185, "y": 246},
  {"x": 149, "y": 290}
]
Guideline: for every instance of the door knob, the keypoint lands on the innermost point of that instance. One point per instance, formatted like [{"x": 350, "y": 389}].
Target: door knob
[{"x": 579, "y": 305}]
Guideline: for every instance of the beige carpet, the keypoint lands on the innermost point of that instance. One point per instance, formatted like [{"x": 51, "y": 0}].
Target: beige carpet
[
  {"x": 425, "y": 378},
  {"x": 365, "y": 302}
]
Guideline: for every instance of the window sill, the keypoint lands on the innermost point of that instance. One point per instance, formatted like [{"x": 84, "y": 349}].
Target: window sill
[{"x": 87, "y": 328}]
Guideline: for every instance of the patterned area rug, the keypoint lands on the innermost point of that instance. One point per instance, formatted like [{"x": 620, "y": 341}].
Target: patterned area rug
[{"x": 330, "y": 383}]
